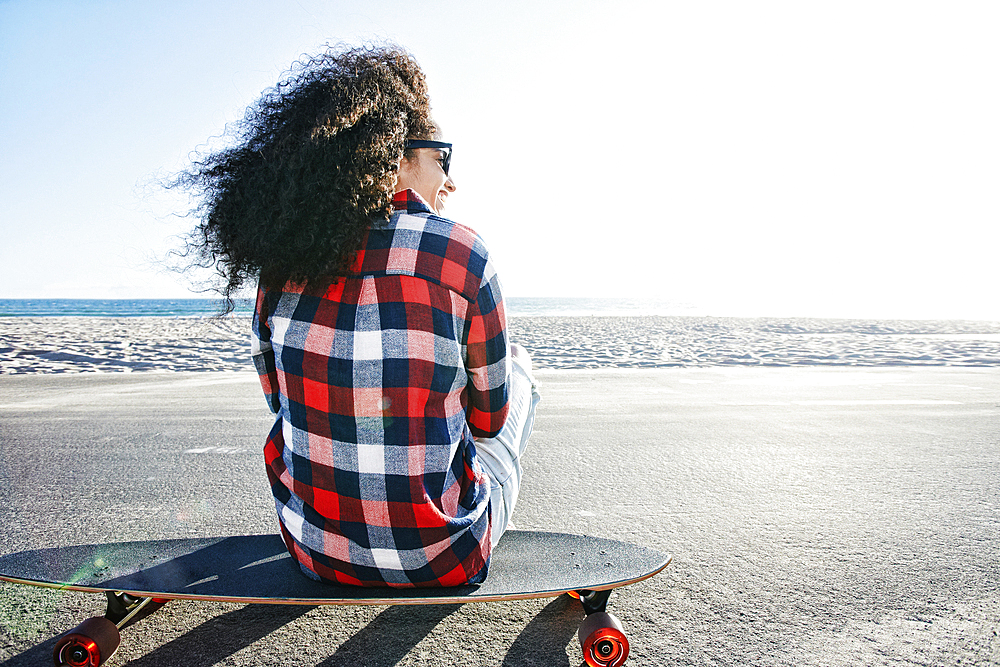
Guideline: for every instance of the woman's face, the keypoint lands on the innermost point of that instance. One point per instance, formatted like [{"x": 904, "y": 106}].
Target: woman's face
[{"x": 424, "y": 174}]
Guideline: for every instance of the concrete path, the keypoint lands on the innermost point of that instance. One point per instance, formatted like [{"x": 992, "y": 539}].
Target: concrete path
[{"x": 816, "y": 516}]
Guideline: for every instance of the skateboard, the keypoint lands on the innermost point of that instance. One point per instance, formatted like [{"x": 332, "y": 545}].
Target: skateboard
[{"x": 139, "y": 577}]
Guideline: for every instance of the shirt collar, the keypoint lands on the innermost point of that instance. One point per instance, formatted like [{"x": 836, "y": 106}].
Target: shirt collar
[{"x": 410, "y": 201}]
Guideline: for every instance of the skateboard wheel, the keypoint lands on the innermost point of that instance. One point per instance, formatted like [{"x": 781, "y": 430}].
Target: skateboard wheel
[
  {"x": 88, "y": 644},
  {"x": 603, "y": 640}
]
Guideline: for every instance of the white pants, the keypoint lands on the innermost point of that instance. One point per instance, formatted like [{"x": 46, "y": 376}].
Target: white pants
[{"x": 501, "y": 456}]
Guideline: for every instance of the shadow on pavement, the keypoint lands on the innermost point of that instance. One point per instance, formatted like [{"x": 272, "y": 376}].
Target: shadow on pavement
[
  {"x": 543, "y": 641},
  {"x": 386, "y": 640},
  {"x": 207, "y": 644},
  {"x": 222, "y": 636},
  {"x": 34, "y": 656},
  {"x": 390, "y": 636}
]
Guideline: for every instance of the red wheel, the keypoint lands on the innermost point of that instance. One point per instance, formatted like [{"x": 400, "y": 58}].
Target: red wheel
[
  {"x": 88, "y": 644},
  {"x": 603, "y": 640}
]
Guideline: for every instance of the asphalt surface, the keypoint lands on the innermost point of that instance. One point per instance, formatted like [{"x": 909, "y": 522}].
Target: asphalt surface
[{"x": 816, "y": 517}]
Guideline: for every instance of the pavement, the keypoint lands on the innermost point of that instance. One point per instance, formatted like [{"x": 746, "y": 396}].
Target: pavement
[{"x": 817, "y": 516}]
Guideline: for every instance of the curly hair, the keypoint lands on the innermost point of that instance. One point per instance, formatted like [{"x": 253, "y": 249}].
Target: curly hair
[{"x": 313, "y": 168}]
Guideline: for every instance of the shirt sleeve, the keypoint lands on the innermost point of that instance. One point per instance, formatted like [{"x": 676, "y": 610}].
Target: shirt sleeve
[
  {"x": 263, "y": 353},
  {"x": 487, "y": 360}
]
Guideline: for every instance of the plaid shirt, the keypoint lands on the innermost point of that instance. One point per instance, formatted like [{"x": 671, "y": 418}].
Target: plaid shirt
[{"x": 379, "y": 382}]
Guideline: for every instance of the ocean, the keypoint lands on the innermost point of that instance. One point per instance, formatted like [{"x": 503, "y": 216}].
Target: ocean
[
  {"x": 115, "y": 307},
  {"x": 516, "y": 307}
]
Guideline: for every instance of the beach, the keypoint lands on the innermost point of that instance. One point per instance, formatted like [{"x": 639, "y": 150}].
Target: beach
[
  {"x": 829, "y": 489},
  {"x": 211, "y": 344}
]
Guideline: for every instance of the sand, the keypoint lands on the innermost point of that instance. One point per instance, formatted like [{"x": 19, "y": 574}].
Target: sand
[{"x": 90, "y": 344}]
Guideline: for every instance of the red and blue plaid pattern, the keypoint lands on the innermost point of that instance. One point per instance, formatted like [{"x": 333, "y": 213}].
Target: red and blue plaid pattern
[{"x": 379, "y": 382}]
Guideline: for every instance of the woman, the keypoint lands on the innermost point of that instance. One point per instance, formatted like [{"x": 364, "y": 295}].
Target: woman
[{"x": 379, "y": 333}]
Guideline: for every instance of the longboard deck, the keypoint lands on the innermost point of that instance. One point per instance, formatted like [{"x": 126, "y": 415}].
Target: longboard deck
[{"x": 258, "y": 569}]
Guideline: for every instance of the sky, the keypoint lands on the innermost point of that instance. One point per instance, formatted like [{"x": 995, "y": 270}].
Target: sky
[{"x": 792, "y": 158}]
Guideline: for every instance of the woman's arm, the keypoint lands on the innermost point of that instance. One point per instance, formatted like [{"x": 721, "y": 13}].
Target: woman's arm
[
  {"x": 263, "y": 354},
  {"x": 487, "y": 361}
]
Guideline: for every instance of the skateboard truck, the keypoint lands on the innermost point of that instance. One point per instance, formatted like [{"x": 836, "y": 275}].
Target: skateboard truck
[
  {"x": 95, "y": 640},
  {"x": 601, "y": 634}
]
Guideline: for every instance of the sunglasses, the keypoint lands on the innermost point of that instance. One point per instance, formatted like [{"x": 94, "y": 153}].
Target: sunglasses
[{"x": 440, "y": 145}]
